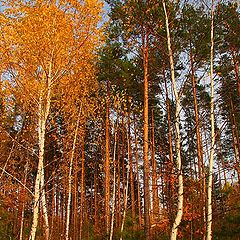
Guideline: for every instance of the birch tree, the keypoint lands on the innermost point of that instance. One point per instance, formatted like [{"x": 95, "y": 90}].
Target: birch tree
[
  {"x": 48, "y": 43},
  {"x": 210, "y": 174},
  {"x": 178, "y": 137}
]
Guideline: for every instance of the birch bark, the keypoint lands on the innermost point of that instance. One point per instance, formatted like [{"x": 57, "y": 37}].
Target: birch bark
[
  {"x": 39, "y": 192},
  {"x": 210, "y": 177},
  {"x": 178, "y": 137}
]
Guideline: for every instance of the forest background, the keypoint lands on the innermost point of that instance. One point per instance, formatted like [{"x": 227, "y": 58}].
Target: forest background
[{"x": 123, "y": 126}]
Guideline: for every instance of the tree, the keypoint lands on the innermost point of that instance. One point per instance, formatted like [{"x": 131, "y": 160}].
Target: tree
[
  {"x": 209, "y": 202},
  {"x": 178, "y": 138},
  {"x": 48, "y": 42}
]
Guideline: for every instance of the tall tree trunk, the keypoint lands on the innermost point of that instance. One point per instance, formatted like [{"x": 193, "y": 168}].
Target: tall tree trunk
[
  {"x": 124, "y": 174},
  {"x": 43, "y": 112},
  {"x": 40, "y": 170},
  {"x": 107, "y": 162},
  {"x": 41, "y": 133},
  {"x": 70, "y": 178},
  {"x": 178, "y": 137},
  {"x": 210, "y": 177},
  {"x": 170, "y": 172},
  {"x": 146, "y": 167}
]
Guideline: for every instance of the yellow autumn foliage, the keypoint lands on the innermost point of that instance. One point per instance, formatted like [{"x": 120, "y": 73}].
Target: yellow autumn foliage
[{"x": 50, "y": 39}]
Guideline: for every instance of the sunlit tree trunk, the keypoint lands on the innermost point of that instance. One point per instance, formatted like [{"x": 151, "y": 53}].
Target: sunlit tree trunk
[
  {"x": 210, "y": 175},
  {"x": 170, "y": 177},
  {"x": 37, "y": 189},
  {"x": 124, "y": 174},
  {"x": 40, "y": 171},
  {"x": 44, "y": 209},
  {"x": 146, "y": 167},
  {"x": 43, "y": 112},
  {"x": 178, "y": 139},
  {"x": 107, "y": 162}
]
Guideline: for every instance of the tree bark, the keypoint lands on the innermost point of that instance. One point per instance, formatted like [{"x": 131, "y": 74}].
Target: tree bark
[
  {"x": 210, "y": 175},
  {"x": 178, "y": 137},
  {"x": 146, "y": 167},
  {"x": 40, "y": 171},
  {"x": 170, "y": 176},
  {"x": 43, "y": 112},
  {"x": 107, "y": 162}
]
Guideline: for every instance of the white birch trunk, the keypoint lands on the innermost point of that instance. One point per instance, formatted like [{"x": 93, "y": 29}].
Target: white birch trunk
[
  {"x": 209, "y": 200},
  {"x": 43, "y": 112},
  {"x": 37, "y": 191},
  {"x": 178, "y": 137},
  {"x": 44, "y": 207},
  {"x": 70, "y": 178}
]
